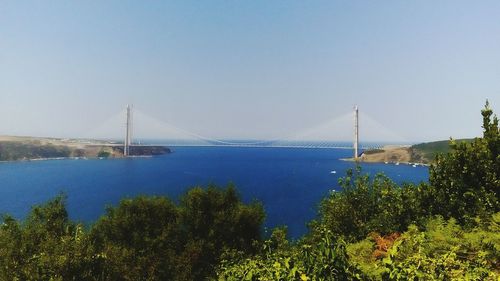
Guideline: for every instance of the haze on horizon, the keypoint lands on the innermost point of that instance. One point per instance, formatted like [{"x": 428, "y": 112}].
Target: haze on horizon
[{"x": 249, "y": 70}]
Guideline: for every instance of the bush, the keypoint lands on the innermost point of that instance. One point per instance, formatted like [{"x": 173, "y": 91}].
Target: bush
[
  {"x": 367, "y": 205},
  {"x": 325, "y": 260},
  {"x": 446, "y": 251},
  {"x": 145, "y": 238},
  {"x": 47, "y": 246},
  {"x": 104, "y": 154},
  {"x": 466, "y": 181}
]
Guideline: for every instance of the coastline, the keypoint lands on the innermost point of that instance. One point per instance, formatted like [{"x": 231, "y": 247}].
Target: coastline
[
  {"x": 21, "y": 149},
  {"x": 384, "y": 162},
  {"x": 73, "y": 158},
  {"x": 393, "y": 154}
]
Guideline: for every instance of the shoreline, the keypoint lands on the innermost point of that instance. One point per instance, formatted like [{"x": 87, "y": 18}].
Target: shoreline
[
  {"x": 396, "y": 163},
  {"x": 23, "y": 149},
  {"x": 73, "y": 158},
  {"x": 394, "y": 154}
]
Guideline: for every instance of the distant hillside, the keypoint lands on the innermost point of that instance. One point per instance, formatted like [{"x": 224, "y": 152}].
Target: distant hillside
[
  {"x": 28, "y": 148},
  {"x": 420, "y": 153},
  {"x": 426, "y": 152},
  {"x": 11, "y": 151}
]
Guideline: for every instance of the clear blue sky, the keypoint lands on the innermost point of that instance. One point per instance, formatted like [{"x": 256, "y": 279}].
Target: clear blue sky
[{"x": 249, "y": 69}]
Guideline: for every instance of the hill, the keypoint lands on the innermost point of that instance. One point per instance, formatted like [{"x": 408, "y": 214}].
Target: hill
[
  {"x": 426, "y": 152},
  {"x": 14, "y": 148},
  {"x": 423, "y": 153}
]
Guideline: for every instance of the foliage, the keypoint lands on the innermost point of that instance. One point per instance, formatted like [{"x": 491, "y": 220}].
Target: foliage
[
  {"x": 104, "y": 154},
  {"x": 153, "y": 239},
  {"x": 133, "y": 239},
  {"x": 145, "y": 238},
  {"x": 367, "y": 205},
  {"x": 217, "y": 222},
  {"x": 47, "y": 246},
  {"x": 10, "y": 151},
  {"x": 324, "y": 260},
  {"x": 442, "y": 250},
  {"x": 427, "y": 152},
  {"x": 383, "y": 243},
  {"x": 361, "y": 255},
  {"x": 373, "y": 151},
  {"x": 445, "y": 251},
  {"x": 463, "y": 191},
  {"x": 466, "y": 182}
]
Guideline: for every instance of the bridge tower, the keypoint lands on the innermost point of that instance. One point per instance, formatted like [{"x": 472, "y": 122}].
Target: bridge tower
[
  {"x": 356, "y": 132},
  {"x": 128, "y": 135}
]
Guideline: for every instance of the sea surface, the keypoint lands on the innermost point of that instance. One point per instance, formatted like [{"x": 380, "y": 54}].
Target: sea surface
[{"x": 290, "y": 182}]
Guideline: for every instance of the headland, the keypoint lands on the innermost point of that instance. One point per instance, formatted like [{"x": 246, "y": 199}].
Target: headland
[
  {"x": 18, "y": 148},
  {"x": 423, "y": 153}
]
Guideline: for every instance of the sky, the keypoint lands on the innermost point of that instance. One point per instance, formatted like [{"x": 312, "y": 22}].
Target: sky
[{"x": 422, "y": 70}]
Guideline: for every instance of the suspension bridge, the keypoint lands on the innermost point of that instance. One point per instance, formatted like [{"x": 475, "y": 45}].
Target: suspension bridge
[{"x": 324, "y": 135}]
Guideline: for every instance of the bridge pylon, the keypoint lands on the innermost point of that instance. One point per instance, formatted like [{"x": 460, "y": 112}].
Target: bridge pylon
[
  {"x": 356, "y": 132},
  {"x": 128, "y": 133}
]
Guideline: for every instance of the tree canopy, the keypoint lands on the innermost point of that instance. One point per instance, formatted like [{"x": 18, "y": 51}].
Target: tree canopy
[{"x": 143, "y": 238}]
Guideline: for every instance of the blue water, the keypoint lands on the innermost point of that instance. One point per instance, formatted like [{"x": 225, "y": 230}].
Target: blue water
[{"x": 289, "y": 181}]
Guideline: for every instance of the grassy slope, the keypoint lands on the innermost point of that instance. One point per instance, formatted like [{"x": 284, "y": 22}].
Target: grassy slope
[
  {"x": 17, "y": 151},
  {"x": 426, "y": 152}
]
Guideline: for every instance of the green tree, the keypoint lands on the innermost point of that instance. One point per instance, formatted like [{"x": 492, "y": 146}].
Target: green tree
[
  {"x": 365, "y": 205},
  {"x": 466, "y": 181},
  {"x": 47, "y": 246},
  {"x": 139, "y": 239},
  {"x": 144, "y": 238},
  {"x": 325, "y": 259},
  {"x": 215, "y": 221},
  {"x": 152, "y": 238}
]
